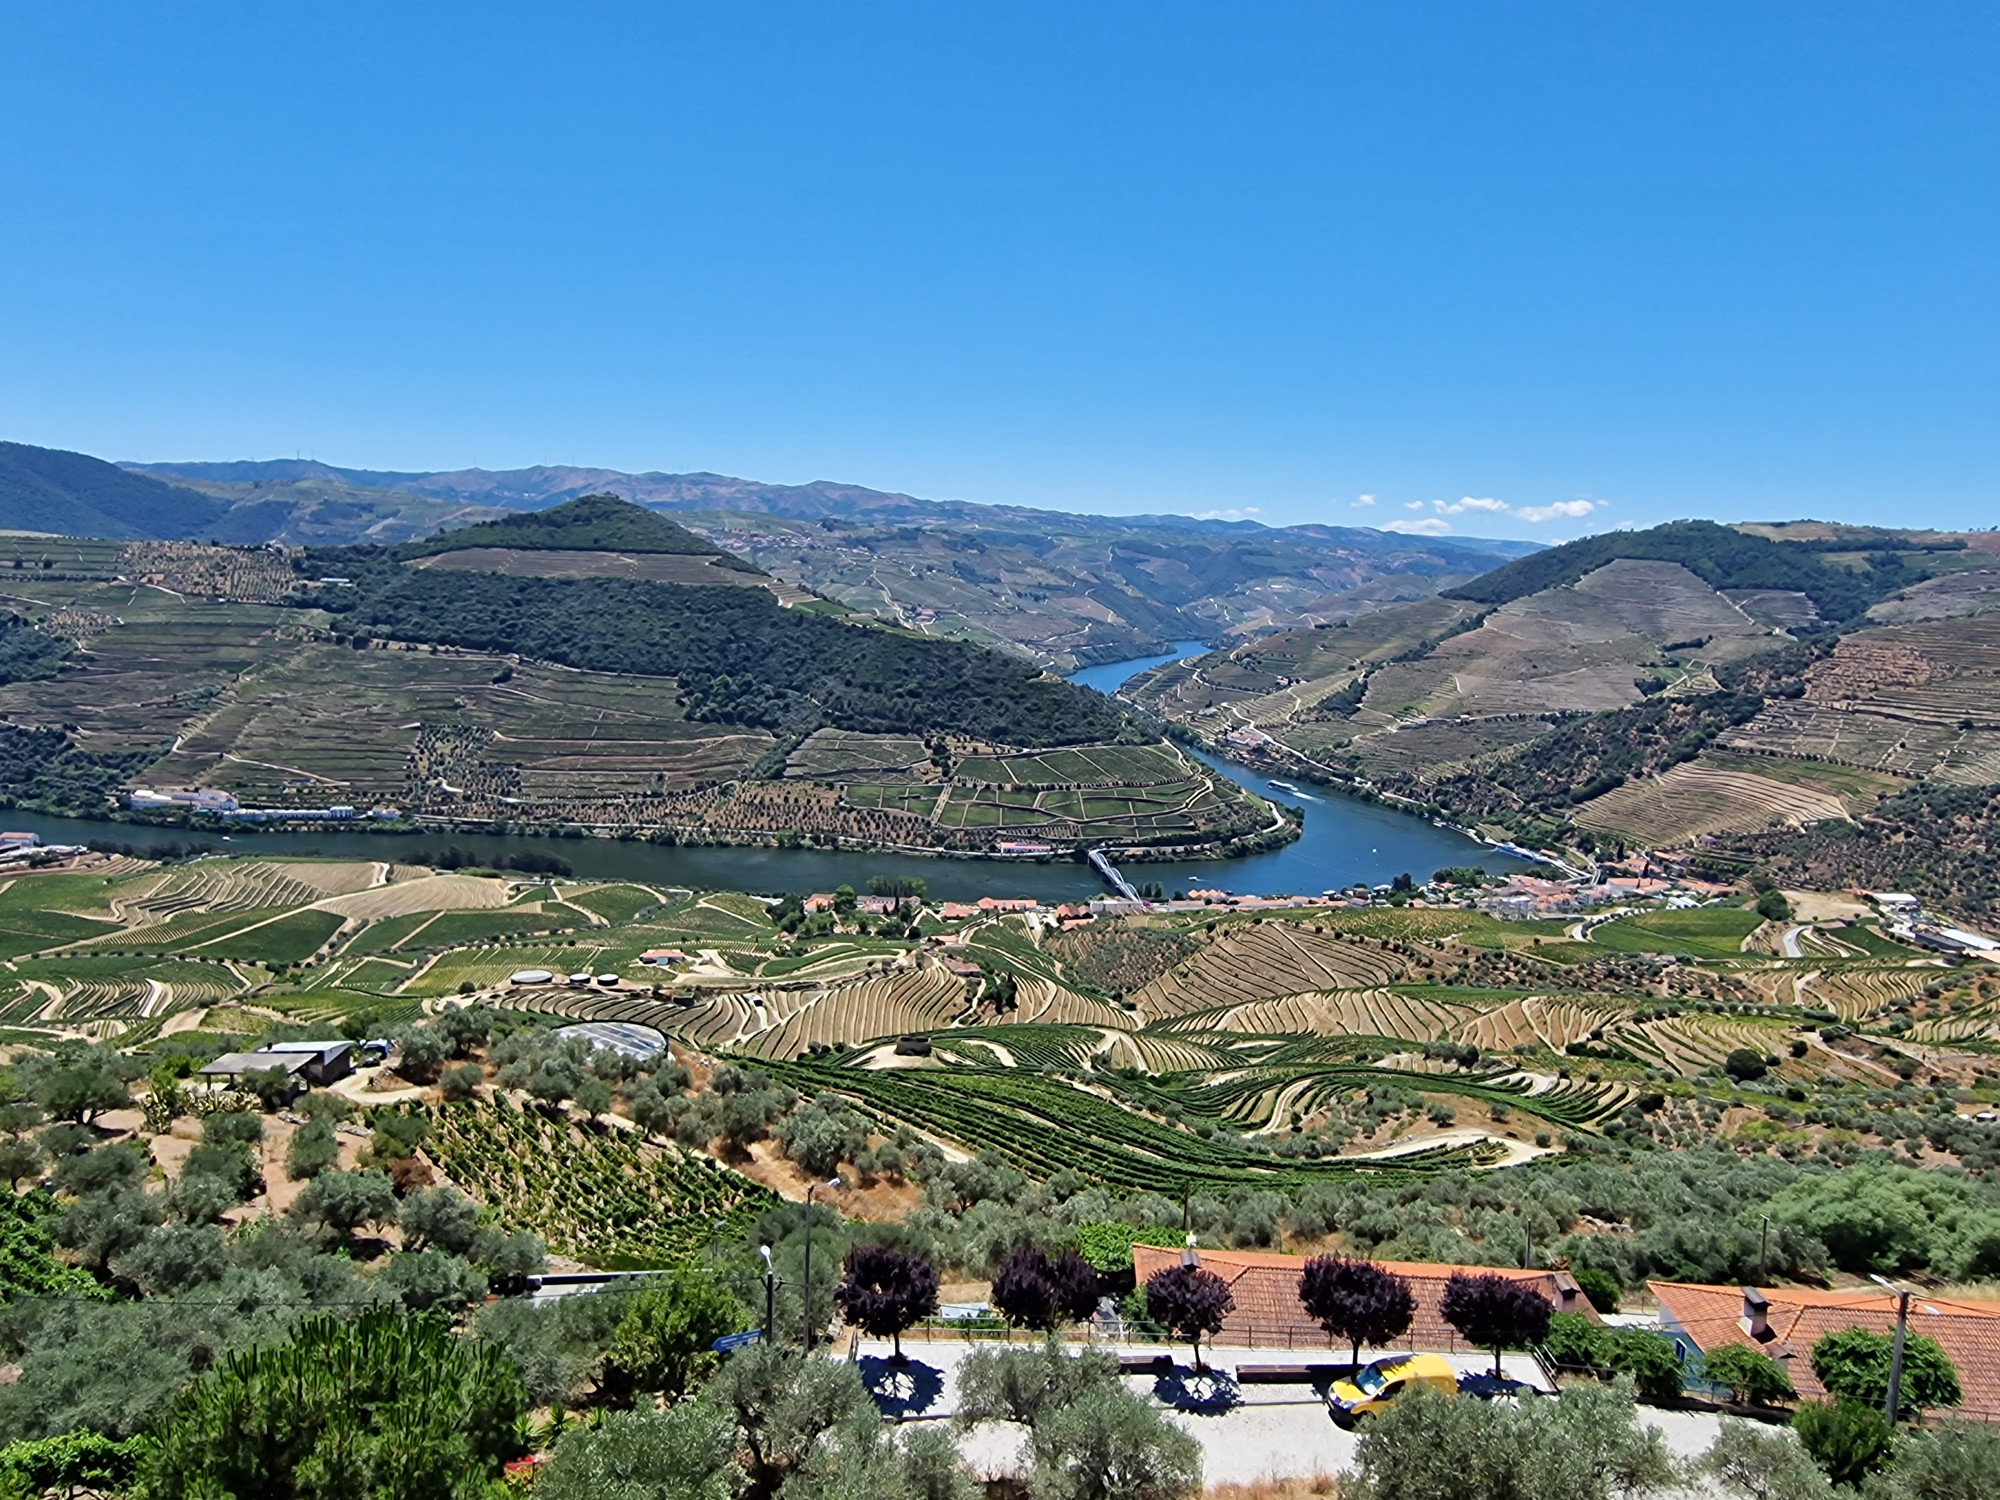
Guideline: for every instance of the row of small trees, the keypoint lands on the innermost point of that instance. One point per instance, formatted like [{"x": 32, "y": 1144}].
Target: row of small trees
[{"x": 884, "y": 1291}]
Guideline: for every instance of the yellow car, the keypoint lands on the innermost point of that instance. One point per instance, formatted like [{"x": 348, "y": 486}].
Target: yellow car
[{"x": 1378, "y": 1384}]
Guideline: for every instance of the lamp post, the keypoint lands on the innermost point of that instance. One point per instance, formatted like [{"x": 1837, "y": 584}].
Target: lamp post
[
  {"x": 834, "y": 1183},
  {"x": 1896, "y": 1352},
  {"x": 770, "y": 1294}
]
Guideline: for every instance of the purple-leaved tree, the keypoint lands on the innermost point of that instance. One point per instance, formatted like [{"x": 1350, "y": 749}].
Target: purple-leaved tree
[
  {"x": 1034, "y": 1290},
  {"x": 1356, "y": 1300},
  {"x": 1189, "y": 1301},
  {"x": 1496, "y": 1312},
  {"x": 883, "y": 1291}
]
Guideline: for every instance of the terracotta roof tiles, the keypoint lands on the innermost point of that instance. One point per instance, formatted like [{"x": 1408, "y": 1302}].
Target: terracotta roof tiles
[{"x": 1715, "y": 1316}]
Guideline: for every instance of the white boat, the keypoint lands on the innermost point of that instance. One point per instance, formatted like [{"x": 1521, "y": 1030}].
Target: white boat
[{"x": 1285, "y": 786}]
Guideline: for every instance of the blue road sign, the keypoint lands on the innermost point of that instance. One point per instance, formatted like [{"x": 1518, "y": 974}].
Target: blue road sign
[{"x": 730, "y": 1342}]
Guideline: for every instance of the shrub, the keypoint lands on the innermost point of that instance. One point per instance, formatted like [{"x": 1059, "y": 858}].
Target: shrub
[
  {"x": 1651, "y": 1359},
  {"x": 663, "y": 1343},
  {"x": 1600, "y": 1286},
  {"x": 1745, "y": 1065},
  {"x": 1750, "y": 1375},
  {"x": 1847, "y": 1440},
  {"x": 394, "y": 1405},
  {"x": 1853, "y": 1364},
  {"x": 1574, "y": 1342}
]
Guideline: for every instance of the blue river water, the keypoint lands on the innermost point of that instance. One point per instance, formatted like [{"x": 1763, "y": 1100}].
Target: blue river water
[{"x": 1344, "y": 841}]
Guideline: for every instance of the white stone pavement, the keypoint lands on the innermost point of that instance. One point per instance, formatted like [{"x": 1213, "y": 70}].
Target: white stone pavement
[{"x": 1256, "y": 1432}]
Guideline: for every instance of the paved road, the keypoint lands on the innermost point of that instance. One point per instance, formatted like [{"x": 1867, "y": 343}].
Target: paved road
[{"x": 1246, "y": 1433}]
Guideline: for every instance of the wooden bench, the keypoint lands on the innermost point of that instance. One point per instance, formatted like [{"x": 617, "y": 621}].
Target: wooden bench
[{"x": 1287, "y": 1374}]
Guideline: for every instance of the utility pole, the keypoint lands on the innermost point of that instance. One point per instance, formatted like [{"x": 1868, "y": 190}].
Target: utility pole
[
  {"x": 1896, "y": 1352},
  {"x": 770, "y": 1295},
  {"x": 1763, "y": 1245}
]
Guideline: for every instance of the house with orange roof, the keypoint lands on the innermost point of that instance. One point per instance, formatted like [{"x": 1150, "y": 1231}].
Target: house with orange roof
[
  {"x": 1267, "y": 1313},
  {"x": 1785, "y": 1322}
]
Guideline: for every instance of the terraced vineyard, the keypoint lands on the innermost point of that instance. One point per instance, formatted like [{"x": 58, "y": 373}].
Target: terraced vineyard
[
  {"x": 1692, "y": 799},
  {"x": 594, "y": 1192},
  {"x": 1268, "y": 960},
  {"x": 1044, "y": 1126}
]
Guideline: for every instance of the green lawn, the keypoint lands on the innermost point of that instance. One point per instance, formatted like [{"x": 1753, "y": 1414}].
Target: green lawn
[
  {"x": 1706, "y": 932},
  {"x": 285, "y": 941},
  {"x": 614, "y": 903}
]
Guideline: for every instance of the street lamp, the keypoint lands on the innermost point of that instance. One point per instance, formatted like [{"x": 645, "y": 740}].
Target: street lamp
[
  {"x": 770, "y": 1294},
  {"x": 833, "y": 1183},
  {"x": 1902, "y": 1333}
]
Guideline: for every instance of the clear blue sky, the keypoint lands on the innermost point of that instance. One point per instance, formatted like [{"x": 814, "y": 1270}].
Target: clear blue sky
[{"x": 1672, "y": 259}]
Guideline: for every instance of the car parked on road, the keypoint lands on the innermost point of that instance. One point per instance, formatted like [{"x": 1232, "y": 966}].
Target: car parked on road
[{"x": 1375, "y": 1386}]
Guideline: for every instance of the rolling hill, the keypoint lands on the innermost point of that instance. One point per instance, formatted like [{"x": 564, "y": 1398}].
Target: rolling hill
[
  {"x": 1063, "y": 589},
  {"x": 1644, "y": 687},
  {"x": 591, "y": 664},
  {"x": 72, "y": 494}
]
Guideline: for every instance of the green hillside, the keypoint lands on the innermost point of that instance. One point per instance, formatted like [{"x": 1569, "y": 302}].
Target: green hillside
[
  {"x": 739, "y": 657},
  {"x": 593, "y": 523},
  {"x": 72, "y": 494},
  {"x": 1722, "y": 557}
]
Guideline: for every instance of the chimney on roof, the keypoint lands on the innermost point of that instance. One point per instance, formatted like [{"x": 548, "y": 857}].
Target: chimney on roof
[
  {"x": 1756, "y": 1319},
  {"x": 1568, "y": 1293}
]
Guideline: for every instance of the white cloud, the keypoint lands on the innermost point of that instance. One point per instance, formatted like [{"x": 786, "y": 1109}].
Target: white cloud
[
  {"x": 1234, "y": 513},
  {"x": 1562, "y": 509},
  {"x": 1487, "y": 505}
]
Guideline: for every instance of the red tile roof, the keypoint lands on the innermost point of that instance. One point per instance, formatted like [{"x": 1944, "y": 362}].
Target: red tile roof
[
  {"x": 1714, "y": 1316},
  {"x": 1266, "y": 1290}
]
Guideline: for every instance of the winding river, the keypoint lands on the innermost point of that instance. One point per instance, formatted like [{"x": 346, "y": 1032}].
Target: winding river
[{"x": 1344, "y": 841}]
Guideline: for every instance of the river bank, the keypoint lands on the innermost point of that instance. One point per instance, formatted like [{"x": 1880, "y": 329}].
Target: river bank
[{"x": 1342, "y": 840}]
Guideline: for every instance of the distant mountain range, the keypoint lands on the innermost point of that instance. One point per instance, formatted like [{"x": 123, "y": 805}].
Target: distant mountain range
[{"x": 1064, "y": 588}]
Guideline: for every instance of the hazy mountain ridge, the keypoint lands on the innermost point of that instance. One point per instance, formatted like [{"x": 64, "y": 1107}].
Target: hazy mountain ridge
[{"x": 1062, "y": 587}]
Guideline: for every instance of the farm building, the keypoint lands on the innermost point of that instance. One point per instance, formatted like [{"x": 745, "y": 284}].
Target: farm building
[
  {"x": 327, "y": 1060},
  {"x": 309, "y": 1063},
  {"x": 1267, "y": 1313},
  {"x": 13, "y": 841},
  {"x": 1785, "y": 1322},
  {"x": 660, "y": 956},
  {"x": 201, "y": 799}
]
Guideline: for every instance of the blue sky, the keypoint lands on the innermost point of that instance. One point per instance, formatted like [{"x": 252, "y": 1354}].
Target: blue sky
[{"x": 1526, "y": 270}]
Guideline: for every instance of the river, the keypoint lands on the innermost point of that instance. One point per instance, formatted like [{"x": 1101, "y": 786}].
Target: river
[{"x": 1344, "y": 841}]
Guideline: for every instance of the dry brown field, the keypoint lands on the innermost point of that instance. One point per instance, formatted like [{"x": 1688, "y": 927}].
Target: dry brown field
[{"x": 1692, "y": 799}]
